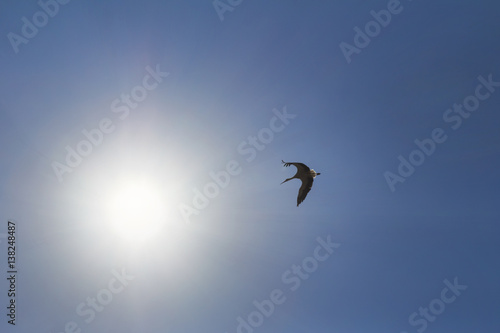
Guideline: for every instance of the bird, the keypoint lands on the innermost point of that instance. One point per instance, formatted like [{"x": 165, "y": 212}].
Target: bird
[{"x": 306, "y": 175}]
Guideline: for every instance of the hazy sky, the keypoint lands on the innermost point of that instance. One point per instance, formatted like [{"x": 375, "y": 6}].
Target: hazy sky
[{"x": 141, "y": 147}]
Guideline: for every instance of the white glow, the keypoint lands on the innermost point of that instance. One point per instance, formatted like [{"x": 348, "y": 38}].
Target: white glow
[{"x": 136, "y": 210}]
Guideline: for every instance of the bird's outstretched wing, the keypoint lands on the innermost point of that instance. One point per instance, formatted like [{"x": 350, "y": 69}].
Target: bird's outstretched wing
[
  {"x": 301, "y": 167},
  {"x": 307, "y": 184}
]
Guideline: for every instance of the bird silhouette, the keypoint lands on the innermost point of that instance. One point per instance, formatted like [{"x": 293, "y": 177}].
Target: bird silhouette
[{"x": 306, "y": 175}]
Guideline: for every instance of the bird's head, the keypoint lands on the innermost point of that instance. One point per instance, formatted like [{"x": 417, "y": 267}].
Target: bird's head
[{"x": 314, "y": 173}]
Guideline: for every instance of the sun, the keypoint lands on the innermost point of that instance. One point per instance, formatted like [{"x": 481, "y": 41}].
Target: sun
[{"x": 136, "y": 210}]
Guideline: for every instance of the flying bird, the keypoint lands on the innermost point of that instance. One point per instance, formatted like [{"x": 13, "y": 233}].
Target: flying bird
[{"x": 306, "y": 175}]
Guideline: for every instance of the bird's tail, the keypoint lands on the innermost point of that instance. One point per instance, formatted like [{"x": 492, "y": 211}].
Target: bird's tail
[{"x": 286, "y": 180}]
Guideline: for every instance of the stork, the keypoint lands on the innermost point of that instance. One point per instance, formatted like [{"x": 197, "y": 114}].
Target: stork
[{"x": 306, "y": 175}]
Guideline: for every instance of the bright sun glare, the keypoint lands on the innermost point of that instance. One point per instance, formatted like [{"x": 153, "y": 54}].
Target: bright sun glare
[{"x": 136, "y": 210}]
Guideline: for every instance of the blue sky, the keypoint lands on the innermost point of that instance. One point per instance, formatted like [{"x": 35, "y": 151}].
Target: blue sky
[{"x": 159, "y": 98}]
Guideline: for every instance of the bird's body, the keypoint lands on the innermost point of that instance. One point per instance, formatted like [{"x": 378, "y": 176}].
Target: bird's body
[{"x": 306, "y": 175}]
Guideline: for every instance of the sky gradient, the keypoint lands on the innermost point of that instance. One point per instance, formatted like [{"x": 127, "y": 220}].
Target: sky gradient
[{"x": 141, "y": 149}]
